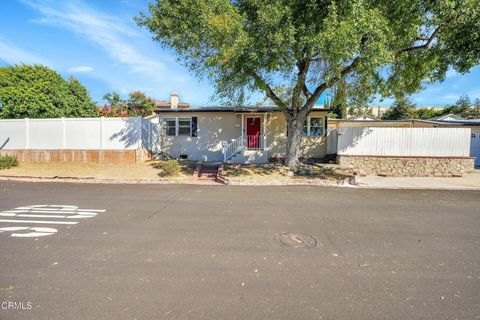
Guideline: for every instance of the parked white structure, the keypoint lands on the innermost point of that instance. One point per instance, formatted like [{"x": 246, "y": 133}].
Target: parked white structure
[
  {"x": 406, "y": 151},
  {"x": 415, "y": 142}
]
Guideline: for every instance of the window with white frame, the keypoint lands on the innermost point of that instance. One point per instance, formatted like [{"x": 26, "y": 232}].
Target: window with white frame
[
  {"x": 184, "y": 126},
  {"x": 170, "y": 126},
  {"x": 313, "y": 127},
  {"x": 181, "y": 126}
]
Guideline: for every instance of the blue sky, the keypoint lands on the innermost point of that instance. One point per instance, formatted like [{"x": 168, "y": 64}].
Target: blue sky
[{"x": 98, "y": 43}]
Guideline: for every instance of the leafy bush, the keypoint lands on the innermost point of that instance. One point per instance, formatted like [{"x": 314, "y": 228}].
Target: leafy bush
[
  {"x": 35, "y": 91},
  {"x": 170, "y": 168},
  {"x": 7, "y": 162}
]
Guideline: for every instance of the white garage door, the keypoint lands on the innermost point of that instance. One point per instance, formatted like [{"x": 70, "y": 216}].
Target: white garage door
[{"x": 475, "y": 148}]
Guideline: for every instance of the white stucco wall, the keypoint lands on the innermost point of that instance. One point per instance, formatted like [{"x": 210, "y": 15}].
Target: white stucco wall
[
  {"x": 212, "y": 129},
  {"x": 216, "y": 127}
]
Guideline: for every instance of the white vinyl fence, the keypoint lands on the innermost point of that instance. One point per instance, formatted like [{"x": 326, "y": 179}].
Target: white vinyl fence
[
  {"x": 332, "y": 141},
  {"x": 427, "y": 142},
  {"x": 78, "y": 133}
]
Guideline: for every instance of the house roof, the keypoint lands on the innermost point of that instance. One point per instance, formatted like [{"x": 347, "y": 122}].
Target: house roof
[
  {"x": 369, "y": 121},
  {"x": 364, "y": 117},
  {"x": 450, "y": 116},
  {"x": 474, "y": 122},
  {"x": 236, "y": 109},
  {"x": 163, "y": 104}
]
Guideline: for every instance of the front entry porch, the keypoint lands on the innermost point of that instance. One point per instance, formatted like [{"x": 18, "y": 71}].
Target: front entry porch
[{"x": 251, "y": 145}]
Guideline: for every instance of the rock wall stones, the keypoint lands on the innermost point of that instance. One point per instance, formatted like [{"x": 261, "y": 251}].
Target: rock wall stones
[{"x": 408, "y": 166}]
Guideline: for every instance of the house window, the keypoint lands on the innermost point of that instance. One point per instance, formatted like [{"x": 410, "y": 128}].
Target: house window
[
  {"x": 316, "y": 127},
  {"x": 171, "y": 126},
  {"x": 313, "y": 127},
  {"x": 184, "y": 126}
]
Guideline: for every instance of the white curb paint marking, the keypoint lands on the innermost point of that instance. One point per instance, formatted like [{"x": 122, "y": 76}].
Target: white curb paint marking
[
  {"x": 40, "y": 221},
  {"x": 37, "y": 231},
  {"x": 79, "y": 215},
  {"x": 43, "y": 211}
]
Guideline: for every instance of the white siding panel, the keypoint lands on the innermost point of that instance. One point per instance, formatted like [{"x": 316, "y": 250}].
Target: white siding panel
[
  {"x": 45, "y": 134},
  {"x": 435, "y": 142},
  {"x": 12, "y": 134},
  {"x": 77, "y": 133},
  {"x": 82, "y": 133}
]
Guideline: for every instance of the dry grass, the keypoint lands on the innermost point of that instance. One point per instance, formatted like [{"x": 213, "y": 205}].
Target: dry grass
[
  {"x": 274, "y": 171},
  {"x": 134, "y": 171}
]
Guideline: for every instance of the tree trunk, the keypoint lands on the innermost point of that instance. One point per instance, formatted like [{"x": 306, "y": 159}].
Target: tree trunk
[{"x": 294, "y": 139}]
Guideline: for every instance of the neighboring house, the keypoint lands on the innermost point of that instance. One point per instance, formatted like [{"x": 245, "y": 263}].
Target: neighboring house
[
  {"x": 364, "y": 117},
  {"x": 474, "y": 125},
  {"x": 173, "y": 103},
  {"x": 236, "y": 134},
  {"x": 340, "y": 123},
  {"x": 448, "y": 117}
]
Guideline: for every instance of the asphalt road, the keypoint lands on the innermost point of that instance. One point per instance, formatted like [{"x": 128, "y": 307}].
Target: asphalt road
[{"x": 208, "y": 252}]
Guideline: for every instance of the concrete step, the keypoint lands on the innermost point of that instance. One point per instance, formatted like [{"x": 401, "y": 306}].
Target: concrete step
[{"x": 207, "y": 173}]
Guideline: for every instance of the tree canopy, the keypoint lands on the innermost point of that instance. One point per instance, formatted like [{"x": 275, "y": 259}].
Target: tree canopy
[
  {"x": 403, "y": 108},
  {"x": 34, "y": 91},
  {"x": 383, "y": 47},
  {"x": 137, "y": 105}
]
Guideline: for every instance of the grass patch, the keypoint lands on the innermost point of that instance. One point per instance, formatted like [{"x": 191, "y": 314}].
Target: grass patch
[
  {"x": 174, "y": 168},
  {"x": 279, "y": 171},
  {"x": 7, "y": 162},
  {"x": 124, "y": 171}
]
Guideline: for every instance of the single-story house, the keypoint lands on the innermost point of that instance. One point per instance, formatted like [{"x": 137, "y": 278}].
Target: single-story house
[{"x": 235, "y": 134}]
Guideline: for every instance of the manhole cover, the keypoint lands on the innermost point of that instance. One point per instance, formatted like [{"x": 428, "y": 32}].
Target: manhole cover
[{"x": 296, "y": 240}]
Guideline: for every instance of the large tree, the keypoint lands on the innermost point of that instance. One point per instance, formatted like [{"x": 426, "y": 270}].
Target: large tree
[
  {"x": 338, "y": 104},
  {"x": 137, "y": 105},
  {"x": 34, "y": 91},
  {"x": 386, "y": 47},
  {"x": 402, "y": 109}
]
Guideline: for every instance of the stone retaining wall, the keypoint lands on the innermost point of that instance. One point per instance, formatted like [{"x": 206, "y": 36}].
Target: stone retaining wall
[
  {"x": 77, "y": 156},
  {"x": 408, "y": 166}
]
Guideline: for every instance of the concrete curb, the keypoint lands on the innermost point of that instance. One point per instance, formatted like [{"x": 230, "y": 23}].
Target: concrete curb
[
  {"x": 347, "y": 182},
  {"x": 419, "y": 188},
  {"x": 89, "y": 180}
]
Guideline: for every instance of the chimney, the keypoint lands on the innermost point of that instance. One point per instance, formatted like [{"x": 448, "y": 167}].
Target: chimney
[{"x": 174, "y": 100}]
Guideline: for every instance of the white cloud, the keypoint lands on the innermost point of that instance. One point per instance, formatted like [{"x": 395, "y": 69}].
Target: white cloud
[
  {"x": 80, "y": 69},
  {"x": 13, "y": 54},
  {"x": 451, "y": 73},
  {"x": 113, "y": 34}
]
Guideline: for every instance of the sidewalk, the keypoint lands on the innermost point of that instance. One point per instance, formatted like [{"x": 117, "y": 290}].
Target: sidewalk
[{"x": 469, "y": 181}]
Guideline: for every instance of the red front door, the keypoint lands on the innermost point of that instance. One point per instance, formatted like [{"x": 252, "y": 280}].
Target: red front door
[{"x": 253, "y": 133}]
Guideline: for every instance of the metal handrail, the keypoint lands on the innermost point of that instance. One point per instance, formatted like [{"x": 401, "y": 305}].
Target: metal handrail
[
  {"x": 254, "y": 142},
  {"x": 231, "y": 149}
]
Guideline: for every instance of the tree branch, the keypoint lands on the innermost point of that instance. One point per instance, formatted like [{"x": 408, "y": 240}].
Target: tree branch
[
  {"x": 327, "y": 84},
  {"x": 426, "y": 44},
  {"x": 321, "y": 88},
  {"x": 306, "y": 92},
  {"x": 268, "y": 90},
  {"x": 430, "y": 39},
  {"x": 300, "y": 85}
]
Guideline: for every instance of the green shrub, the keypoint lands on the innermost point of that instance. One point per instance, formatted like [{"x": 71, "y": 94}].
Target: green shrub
[
  {"x": 170, "y": 168},
  {"x": 7, "y": 162}
]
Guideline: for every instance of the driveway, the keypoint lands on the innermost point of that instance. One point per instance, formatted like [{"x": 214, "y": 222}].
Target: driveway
[{"x": 207, "y": 252}]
